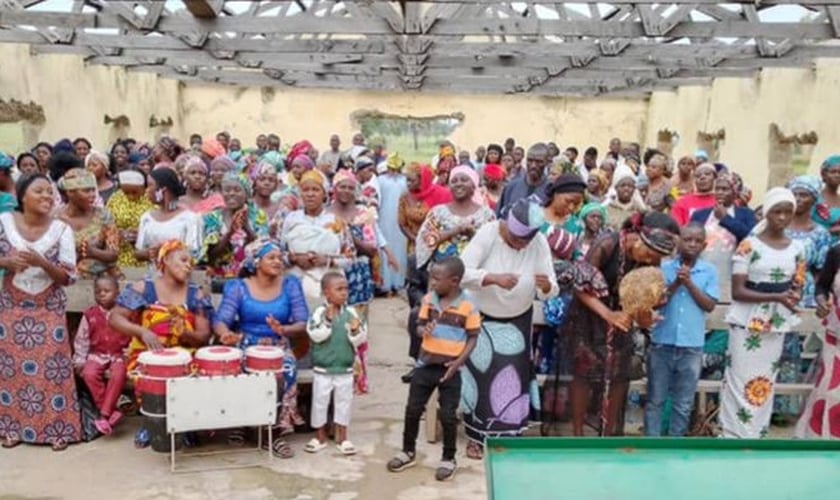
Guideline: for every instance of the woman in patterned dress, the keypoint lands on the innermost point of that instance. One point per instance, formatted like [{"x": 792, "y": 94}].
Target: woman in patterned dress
[
  {"x": 38, "y": 399},
  {"x": 228, "y": 230},
  {"x": 768, "y": 274},
  {"x": 127, "y": 205},
  {"x": 96, "y": 234}
]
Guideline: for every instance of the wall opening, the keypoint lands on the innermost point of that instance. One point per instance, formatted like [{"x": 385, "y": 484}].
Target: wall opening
[
  {"x": 20, "y": 124},
  {"x": 711, "y": 142},
  {"x": 789, "y": 155},
  {"x": 414, "y": 138}
]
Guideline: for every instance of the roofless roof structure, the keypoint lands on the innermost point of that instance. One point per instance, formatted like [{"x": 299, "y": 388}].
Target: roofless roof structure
[{"x": 622, "y": 48}]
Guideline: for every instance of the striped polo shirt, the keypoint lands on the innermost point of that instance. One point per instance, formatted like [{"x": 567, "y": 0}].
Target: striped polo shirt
[{"x": 452, "y": 327}]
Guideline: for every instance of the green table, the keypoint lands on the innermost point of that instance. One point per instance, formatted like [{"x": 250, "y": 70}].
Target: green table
[{"x": 661, "y": 468}]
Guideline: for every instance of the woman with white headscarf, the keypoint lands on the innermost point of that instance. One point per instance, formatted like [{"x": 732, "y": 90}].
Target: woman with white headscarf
[{"x": 768, "y": 275}]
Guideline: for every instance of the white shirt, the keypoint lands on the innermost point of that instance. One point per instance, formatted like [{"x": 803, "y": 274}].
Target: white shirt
[
  {"x": 186, "y": 226},
  {"x": 487, "y": 254}
]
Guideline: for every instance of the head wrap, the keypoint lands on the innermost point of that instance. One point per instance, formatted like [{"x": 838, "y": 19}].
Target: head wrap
[
  {"x": 77, "y": 178},
  {"x": 302, "y": 160},
  {"x": 831, "y": 161},
  {"x": 263, "y": 168},
  {"x": 701, "y": 153},
  {"x": 6, "y": 162},
  {"x": 166, "y": 178},
  {"x": 362, "y": 162},
  {"x": 301, "y": 148},
  {"x": 562, "y": 243},
  {"x": 166, "y": 249},
  {"x": 96, "y": 156},
  {"x": 357, "y": 151},
  {"x": 775, "y": 196},
  {"x": 256, "y": 250},
  {"x": 394, "y": 162},
  {"x": 344, "y": 175},
  {"x": 602, "y": 179},
  {"x": 809, "y": 183},
  {"x": 473, "y": 175},
  {"x": 229, "y": 164},
  {"x": 562, "y": 166},
  {"x": 494, "y": 172},
  {"x": 314, "y": 176},
  {"x": 658, "y": 240},
  {"x": 567, "y": 183},
  {"x": 446, "y": 152},
  {"x": 212, "y": 148},
  {"x": 137, "y": 158},
  {"x": 641, "y": 181},
  {"x": 64, "y": 146},
  {"x": 193, "y": 161},
  {"x": 240, "y": 179},
  {"x": 131, "y": 178},
  {"x": 706, "y": 166},
  {"x": 429, "y": 194},
  {"x": 524, "y": 219},
  {"x": 593, "y": 207},
  {"x": 275, "y": 159}
]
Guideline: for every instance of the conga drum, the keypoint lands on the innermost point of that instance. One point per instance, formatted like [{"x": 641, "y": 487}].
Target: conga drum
[
  {"x": 218, "y": 360},
  {"x": 155, "y": 368},
  {"x": 264, "y": 358}
]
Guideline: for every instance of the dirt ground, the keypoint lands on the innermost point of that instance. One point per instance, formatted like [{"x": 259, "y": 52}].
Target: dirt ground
[{"x": 112, "y": 468}]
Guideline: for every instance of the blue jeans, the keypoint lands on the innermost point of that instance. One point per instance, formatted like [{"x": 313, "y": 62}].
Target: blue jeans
[{"x": 672, "y": 373}]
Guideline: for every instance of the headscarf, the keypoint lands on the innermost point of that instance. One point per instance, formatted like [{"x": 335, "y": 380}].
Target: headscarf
[
  {"x": 275, "y": 159},
  {"x": 525, "y": 219},
  {"x": 262, "y": 168},
  {"x": 593, "y": 207},
  {"x": 314, "y": 176},
  {"x": 430, "y": 194},
  {"x": 809, "y": 183},
  {"x": 357, "y": 151},
  {"x": 212, "y": 148},
  {"x": 658, "y": 231},
  {"x": 137, "y": 158},
  {"x": 77, "y": 178},
  {"x": 96, "y": 156},
  {"x": 831, "y": 161},
  {"x": 446, "y": 152},
  {"x": 229, "y": 164},
  {"x": 131, "y": 178},
  {"x": 601, "y": 177},
  {"x": 64, "y": 146},
  {"x": 775, "y": 196},
  {"x": 256, "y": 250},
  {"x": 566, "y": 183},
  {"x": 167, "y": 248},
  {"x": 170, "y": 147},
  {"x": 166, "y": 178},
  {"x": 303, "y": 160},
  {"x": 362, "y": 162},
  {"x": 344, "y": 175},
  {"x": 301, "y": 148},
  {"x": 473, "y": 175},
  {"x": 706, "y": 166},
  {"x": 562, "y": 166},
  {"x": 6, "y": 161},
  {"x": 240, "y": 179},
  {"x": 494, "y": 172},
  {"x": 194, "y": 161},
  {"x": 394, "y": 162},
  {"x": 561, "y": 243}
]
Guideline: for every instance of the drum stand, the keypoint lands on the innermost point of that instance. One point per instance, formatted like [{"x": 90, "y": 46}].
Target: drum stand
[{"x": 226, "y": 402}]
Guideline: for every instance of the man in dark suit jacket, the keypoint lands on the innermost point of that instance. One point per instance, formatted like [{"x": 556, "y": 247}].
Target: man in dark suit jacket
[{"x": 737, "y": 220}]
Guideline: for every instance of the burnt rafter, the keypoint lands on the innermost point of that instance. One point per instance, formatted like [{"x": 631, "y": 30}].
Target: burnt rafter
[{"x": 622, "y": 47}]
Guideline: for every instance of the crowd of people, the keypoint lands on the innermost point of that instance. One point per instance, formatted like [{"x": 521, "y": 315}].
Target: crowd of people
[{"x": 299, "y": 242}]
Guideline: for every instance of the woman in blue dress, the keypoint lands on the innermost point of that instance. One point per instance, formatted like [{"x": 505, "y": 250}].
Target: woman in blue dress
[
  {"x": 827, "y": 211},
  {"x": 267, "y": 307}
]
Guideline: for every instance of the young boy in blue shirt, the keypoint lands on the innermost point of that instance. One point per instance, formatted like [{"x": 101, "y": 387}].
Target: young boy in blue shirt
[{"x": 676, "y": 353}]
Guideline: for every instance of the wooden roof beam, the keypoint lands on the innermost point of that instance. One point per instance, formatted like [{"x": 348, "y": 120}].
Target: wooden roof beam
[{"x": 204, "y": 9}]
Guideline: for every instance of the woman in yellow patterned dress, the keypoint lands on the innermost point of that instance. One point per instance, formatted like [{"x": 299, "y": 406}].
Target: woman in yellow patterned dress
[{"x": 127, "y": 205}]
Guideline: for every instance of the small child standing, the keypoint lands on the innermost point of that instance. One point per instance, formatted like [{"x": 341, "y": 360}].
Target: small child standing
[
  {"x": 336, "y": 331},
  {"x": 449, "y": 323},
  {"x": 676, "y": 351},
  {"x": 99, "y": 349}
]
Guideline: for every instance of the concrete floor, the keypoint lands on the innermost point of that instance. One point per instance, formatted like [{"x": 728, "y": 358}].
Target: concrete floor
[{"x": 111, "y": 468}]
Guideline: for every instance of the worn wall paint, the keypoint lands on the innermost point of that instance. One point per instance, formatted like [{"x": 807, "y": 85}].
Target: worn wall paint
[{"x": 76, "y": 96}]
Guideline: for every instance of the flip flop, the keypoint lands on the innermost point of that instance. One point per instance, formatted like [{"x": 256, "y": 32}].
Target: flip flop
[
  {"x": 346, "y": 448},
  {"x": 314, "y": 446},
  {"x": 115, "y": 418},
  {"x": 11, "y": 440},
  {"x": 103, "y": 426}
]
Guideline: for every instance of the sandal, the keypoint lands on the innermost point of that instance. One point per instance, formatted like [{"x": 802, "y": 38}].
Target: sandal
[
  {"x": 280, "y": 448},
  {"x": 314, "y": 446},
  {"x": 115, "y": 418},
  {"x": 102, "y": 426},
  {"x": 475, "y": 450},
  {"x": 59, "y": 445},
  {"x": 11, "y": 440},
  {"x": 346, "y": 448},
  {"x": 402, "y": 461}
]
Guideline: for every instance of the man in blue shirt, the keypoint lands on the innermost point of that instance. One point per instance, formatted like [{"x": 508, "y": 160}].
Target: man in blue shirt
[
  {"x": 676, "y": 353},
  {"x": 533, "y": 182}
]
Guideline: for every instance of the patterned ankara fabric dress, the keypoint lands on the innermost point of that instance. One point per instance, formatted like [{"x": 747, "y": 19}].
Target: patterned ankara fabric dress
[
  {"x": 38, "y": 398},
  {"x": 756, "y": 336}
]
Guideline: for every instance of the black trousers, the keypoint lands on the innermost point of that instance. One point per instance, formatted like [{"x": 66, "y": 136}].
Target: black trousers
[
  {"x": 425, "y": 380},
  {"x": 417, "y": 282}
]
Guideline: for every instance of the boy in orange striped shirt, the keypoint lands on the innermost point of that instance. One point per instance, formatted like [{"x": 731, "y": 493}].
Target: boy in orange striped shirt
[{"x": 449, "y": 323}]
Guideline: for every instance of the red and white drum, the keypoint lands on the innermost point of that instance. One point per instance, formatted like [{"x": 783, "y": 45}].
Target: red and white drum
[
  {"x": 218, "y": 360},
  {"x": 156, "y": 367},
  {"x": 264, "y": 358}
]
